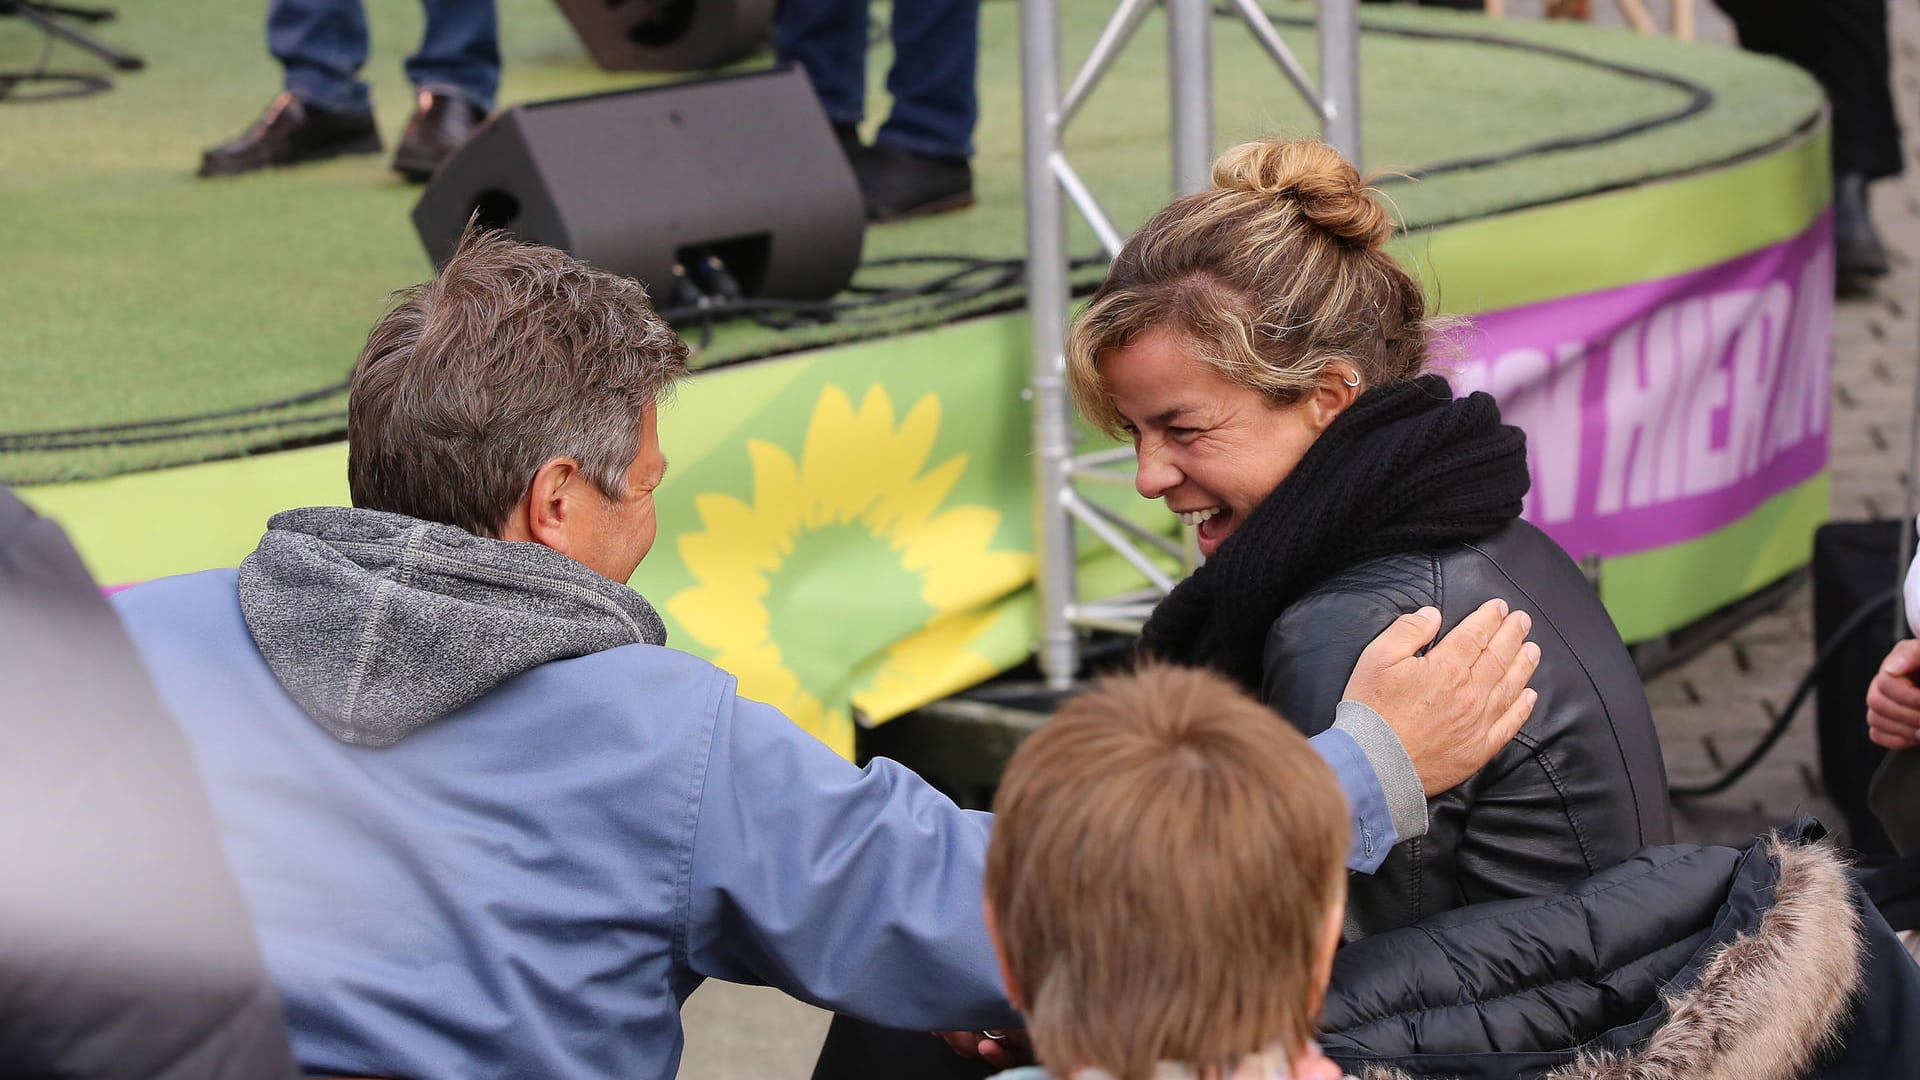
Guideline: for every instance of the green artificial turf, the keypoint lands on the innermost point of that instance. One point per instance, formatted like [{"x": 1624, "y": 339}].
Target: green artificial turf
[{"x": 131, "y": 291}]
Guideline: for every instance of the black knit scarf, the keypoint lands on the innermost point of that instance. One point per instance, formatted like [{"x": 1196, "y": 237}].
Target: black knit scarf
[{"x": 1405, "y": 468}]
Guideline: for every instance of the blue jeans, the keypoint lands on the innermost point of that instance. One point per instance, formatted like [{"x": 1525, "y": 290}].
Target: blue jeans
[
  {"x": 936, "y": 59},
  {"x": 323, "y": 43}
]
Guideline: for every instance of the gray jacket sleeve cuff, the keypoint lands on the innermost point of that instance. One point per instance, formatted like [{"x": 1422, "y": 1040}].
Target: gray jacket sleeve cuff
[{"x": 1406, "y": 799}]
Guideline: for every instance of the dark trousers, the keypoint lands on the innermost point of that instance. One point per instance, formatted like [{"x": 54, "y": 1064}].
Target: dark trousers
[
  {"x": 322, "y": 44},
  {"x": 1843, "y": 45},
  {"x": 856, "y": 1050},
  {"x": 936, "y": 61}
]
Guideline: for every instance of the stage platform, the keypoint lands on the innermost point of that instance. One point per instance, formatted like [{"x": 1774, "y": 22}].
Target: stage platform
[{"x": 1637, "y": 225}]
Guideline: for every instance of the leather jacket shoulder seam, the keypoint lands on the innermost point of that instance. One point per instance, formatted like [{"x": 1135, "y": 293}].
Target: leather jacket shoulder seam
[
  {"x": 1541, "y": 615},
  {"x": 1409, "y": 571}
]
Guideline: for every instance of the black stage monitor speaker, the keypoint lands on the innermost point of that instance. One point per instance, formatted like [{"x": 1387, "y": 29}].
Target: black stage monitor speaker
[
  {"x": 745, "y": 168},
  {"x": 669, "y": 35}
]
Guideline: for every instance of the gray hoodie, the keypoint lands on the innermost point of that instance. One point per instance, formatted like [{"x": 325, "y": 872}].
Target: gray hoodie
[{"x": 378, "y": 623}]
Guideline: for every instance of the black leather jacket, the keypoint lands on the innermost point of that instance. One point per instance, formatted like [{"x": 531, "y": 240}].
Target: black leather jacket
[{"x": 1578, "y": 790}]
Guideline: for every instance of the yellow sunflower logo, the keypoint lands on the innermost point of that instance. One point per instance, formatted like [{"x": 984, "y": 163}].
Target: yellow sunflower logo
[{"x": 846, "y": 584}]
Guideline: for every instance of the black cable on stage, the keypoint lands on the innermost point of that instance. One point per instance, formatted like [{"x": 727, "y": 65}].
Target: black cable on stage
[
  {"x": 945, "y": 289},
  {"x": 873, "y": 297},
  {"x": 1700, "y": 98},
  {"x": 935, "y": 291},
  {"x": 973, "y": 278},
  {"x": 80, "y": 442},
  {"x": 1859, "y": 618},
  {"x": 59, "y": 438},
  {"x": 68, "y": 84}
]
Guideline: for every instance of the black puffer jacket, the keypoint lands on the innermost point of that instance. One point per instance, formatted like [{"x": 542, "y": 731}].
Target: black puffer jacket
[
  {"x": 1683, "y": 963},
  {"x": 1579, "y": 789}
]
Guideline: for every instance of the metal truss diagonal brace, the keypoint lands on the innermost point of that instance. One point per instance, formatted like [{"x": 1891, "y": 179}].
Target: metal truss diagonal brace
[
  {"x": 1119, "y": 30},
  {"x": 1076, "y": 189},
  {"x": 1263, "y": 31},
  {"x": 1105, "y": 528}
]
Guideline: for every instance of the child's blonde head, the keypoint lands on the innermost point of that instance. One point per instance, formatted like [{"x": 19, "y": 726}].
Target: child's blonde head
[{"x": 1166, "y": 853}]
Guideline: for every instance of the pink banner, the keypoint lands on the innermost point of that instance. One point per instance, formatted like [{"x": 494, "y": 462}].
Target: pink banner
[{"x": 1661, "y": 411}]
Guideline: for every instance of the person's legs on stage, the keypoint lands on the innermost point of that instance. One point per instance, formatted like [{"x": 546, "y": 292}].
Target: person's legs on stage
[
  {"x": 324, "y": 111},
  {"x": 321, "y": 45},
  {"x": 1843, "y": 45},
  {"x": 919, "y": 161},
  {"x": 1848, "y": 52},
  {"x": 828, "y": 40},
  {"x": 456, "y": 72}
]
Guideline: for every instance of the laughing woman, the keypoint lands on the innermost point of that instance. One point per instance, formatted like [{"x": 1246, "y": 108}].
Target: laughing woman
[{"x": 1267, "y": 357}]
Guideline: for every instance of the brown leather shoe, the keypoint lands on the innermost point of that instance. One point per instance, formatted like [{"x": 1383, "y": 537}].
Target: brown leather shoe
[
  {"x": 440, "y": 123},
  {"x": 292, "y": 132},
  {"x": 899, "y": 184}
]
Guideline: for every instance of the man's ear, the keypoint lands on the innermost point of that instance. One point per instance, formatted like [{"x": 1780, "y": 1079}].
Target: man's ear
[
  {"x": 1338, "y": 387},
  {"x": 547, "y": 511}
]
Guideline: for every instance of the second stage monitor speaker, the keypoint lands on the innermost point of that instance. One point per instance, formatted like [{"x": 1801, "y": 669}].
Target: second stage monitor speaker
[
  {"x": 670, "y": 35},
  {"x": 744, "y": 167}
]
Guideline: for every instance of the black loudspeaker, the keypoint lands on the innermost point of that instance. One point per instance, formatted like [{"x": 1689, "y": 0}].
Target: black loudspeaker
[
  {"x": 745, "y": 168},
  {"x": 669, "y": 35}
]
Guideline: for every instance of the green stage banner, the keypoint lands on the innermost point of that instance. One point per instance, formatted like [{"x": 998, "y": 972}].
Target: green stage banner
[{"x": 843, "y": 530}]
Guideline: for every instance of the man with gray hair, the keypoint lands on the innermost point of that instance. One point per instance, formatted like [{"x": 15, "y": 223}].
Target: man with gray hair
[{"x": 487, "y": 825}]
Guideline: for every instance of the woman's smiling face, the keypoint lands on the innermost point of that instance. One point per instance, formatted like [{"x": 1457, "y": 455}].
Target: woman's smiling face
[{"x": 1212, "y": 448}]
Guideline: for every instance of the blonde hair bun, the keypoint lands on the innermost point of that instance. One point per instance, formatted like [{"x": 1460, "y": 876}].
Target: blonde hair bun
[{"x": 1324, "y": 186}]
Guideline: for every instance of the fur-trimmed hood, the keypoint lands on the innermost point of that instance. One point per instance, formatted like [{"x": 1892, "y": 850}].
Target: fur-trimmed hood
[
  {"x": 1768, "y": 1002},
  {"x": 1684, "y": 964}
]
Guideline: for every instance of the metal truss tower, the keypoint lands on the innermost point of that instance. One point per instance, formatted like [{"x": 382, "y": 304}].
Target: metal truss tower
[{"x": 1050, "y": 182}]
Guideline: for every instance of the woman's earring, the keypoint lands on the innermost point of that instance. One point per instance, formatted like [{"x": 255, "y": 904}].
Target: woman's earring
[{"x": 1350, "y": 379}]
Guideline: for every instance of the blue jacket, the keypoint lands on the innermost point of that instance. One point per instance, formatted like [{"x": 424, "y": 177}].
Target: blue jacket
[{"x": 532, "y": 885}]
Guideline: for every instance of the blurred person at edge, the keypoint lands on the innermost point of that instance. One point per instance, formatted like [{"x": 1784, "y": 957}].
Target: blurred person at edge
[
  {"x": 1893, "y": 722},
  {"x": 1843, "y": 45},
  {"x": 125, "y": 948},
  {"x": 488, "y": 825},
  {"x": 1893, "y": 699}
]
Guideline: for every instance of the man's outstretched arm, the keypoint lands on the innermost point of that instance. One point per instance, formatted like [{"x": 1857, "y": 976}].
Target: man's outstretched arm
[
  {"x": 856, "y": 889},
  {"x": 1412, "y": 726}
]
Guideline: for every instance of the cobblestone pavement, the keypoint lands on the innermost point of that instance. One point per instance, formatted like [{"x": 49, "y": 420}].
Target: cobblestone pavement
[{"x": 1713, "y": 708}]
